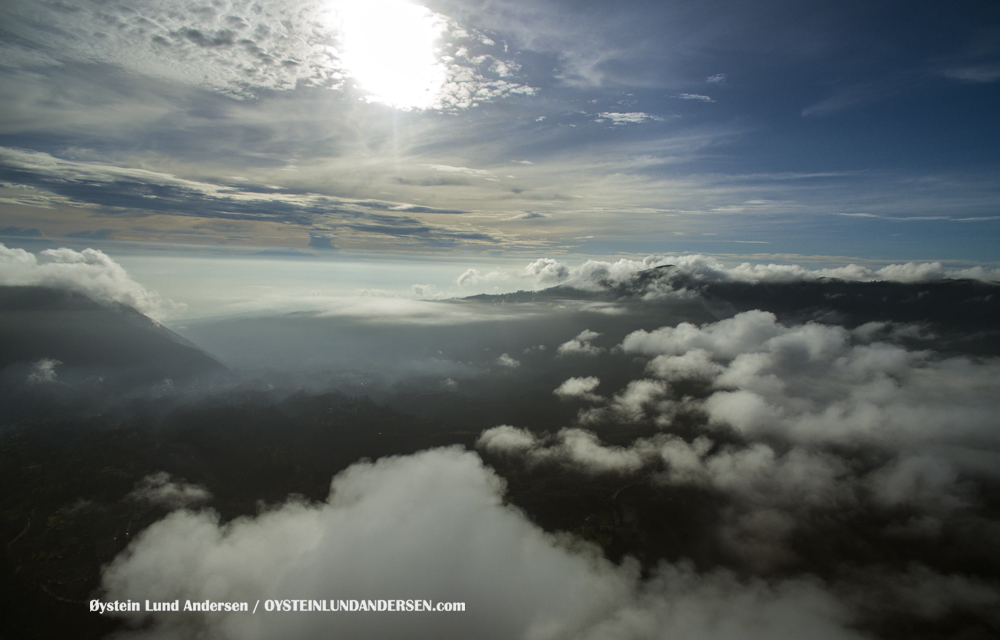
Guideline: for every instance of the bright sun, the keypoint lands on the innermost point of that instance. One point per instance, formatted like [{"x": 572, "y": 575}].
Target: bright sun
[{"x": 389, "y": 48}]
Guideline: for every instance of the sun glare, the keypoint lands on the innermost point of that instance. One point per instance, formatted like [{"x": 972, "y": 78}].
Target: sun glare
[{"x": 389, "y": 48}]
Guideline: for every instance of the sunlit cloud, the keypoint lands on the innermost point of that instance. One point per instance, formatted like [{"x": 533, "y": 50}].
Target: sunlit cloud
[
  {"x": 695, "y": 96},
  {"x": 633, "y": 117}
]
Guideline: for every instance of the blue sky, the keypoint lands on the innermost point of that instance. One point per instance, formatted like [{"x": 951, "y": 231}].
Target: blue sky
[{"x": 854, "y": 130}]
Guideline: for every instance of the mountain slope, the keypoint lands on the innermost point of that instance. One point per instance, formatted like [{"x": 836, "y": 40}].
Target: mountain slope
[{"x": 84, "y": 336}]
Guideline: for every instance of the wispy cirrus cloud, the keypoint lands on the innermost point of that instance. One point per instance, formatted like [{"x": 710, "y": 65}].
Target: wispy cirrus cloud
[
  {"x": 631, "y": 117},
  {"x": 695, "y": 96},
  {"x": 140, "y": 191},
  {"x": 984, "y": 73}
]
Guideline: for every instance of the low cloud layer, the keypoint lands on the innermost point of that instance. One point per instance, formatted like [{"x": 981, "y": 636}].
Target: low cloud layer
[
  {"x": 818, "y": 383},
  {"x": 576, "y": 447},
  {"x": 787, "y": 425},
  {"x": 693, "y": 269},
  {"x": 433, "y": 526},
  {"x": 812, "y": 385},
  {"x": 776, "y": 465},
  {"x": 161, "y": 490}
]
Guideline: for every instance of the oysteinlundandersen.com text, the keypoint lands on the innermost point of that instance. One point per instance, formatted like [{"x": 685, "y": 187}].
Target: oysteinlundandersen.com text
[{"x": 361, "y": 605}]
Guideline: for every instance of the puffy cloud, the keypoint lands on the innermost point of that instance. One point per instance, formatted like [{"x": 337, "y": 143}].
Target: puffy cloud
[
  {"x": 685, "y": 461},
  {"x": 695, "y": 363},
  {"x": 506, "y": 361},
  {"x": 575, "y": 347},
  {"x": 631, "y": 403},
  {"x": 681, "y": 270},
  {"x": 700, "y": 268},
  {"x": 580, "y": 345},
  {"x": 583, "y": 450},
  {"x": 757, "y": 475},
  {"x": 786, "y": 425},
  {"x": 674, "y": 275},
  {"x": 913, "y": 272},
  {"x": 158, "y": 489},
  {"x": 753, "y": 476},
  {"x": 799, "y": 400},
  {"x": 43, "y": 371},
  {"x": 506, "y": 439},
  {"x": 90, "y": 272},
  {"x": 578, "y": 448},
  {"x": 767, "y": 495},
  {"x": 743, "y": 410},
  {"x": 812, "y": 383},
  {"x": 433, "y": 526},
  {"x": 582, "y": 388},
  {"x": 725, "y": 339},
  {"x": 430, "y": 526},
  {"x": 547, "y": 272}
]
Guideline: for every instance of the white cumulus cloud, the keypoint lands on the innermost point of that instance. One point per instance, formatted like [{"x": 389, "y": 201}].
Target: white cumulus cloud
[
  {"x": 90, "y": 272},
  {"x": 506, "y": 361},
  {"x": 433, "y": 526},
  {"x": 582, "y": 388},
  {"x": 580, "y": 345}
]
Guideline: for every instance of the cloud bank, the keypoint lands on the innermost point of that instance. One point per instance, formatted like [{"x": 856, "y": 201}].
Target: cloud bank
[
  {"x": 90, "y": 272},
  {"x": 433, "y": 526},
  {"x": 788, "y": 426},
  {"x": 679, "y": 271},
  {"x": 818, "y": 383}
]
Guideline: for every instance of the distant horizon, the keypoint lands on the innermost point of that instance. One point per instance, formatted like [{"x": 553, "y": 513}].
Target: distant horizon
[{"x": 196, "y": 282}]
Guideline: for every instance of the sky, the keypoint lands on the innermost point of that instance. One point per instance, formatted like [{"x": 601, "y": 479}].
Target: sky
[{"x": 839, "y": 131}]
